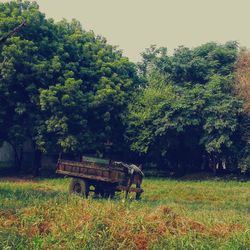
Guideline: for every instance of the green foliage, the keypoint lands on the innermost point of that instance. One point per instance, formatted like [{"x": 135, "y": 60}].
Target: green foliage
[
  {"x": 66, "y": 107},
  {"x": 187, "y": 115},
  {"x": 24, "y": 59},
  {"x": 93, "y": 89},
  {"x": 221, "y": 115},
  {"x": 61, "y": 87},
  {"x": 191, "y": 65},
  {"x": 145, "y": 110}
]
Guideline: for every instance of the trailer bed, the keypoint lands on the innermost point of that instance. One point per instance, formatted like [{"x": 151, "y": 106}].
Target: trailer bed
[{"x": 91, "y": 170}]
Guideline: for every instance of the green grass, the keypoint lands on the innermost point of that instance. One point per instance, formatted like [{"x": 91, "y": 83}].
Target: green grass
[{"x": 172, "y": 214}]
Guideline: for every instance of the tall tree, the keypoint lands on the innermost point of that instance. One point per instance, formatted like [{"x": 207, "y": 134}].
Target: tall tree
[
  {"x": 81, "y": 83},
  {"x": 91, "y": 93},
  {"x": 243, "y": 77},
  {"x": 30, "y": 63},
  {"x": 186, "y": 116}
]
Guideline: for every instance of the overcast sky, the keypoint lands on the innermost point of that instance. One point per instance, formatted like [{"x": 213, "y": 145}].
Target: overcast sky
[{"x": 136, "y": 24}]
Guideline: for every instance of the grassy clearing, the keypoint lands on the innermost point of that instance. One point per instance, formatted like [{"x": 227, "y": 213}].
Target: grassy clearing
[{"x": 171, "y": 215}]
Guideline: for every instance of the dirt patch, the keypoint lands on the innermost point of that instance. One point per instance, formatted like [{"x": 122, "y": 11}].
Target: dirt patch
[
  {"x": 197, "y": 226},
  {"x": 141, "y": 241},
  {"x": 176, "y": 224},
  {"x": 42, "y": 228},
  {"x": 5, "y": 213},
  {"x": 8, "y": 218},
  {"x": 166, "y": 209},
  {"x": 224, "y": 230}
]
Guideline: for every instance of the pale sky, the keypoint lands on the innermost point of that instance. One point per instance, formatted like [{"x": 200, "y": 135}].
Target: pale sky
[{"x": 134, "y": 25}]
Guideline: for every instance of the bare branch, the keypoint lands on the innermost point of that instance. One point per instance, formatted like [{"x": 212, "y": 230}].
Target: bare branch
[{"x": 13, "y": 32}]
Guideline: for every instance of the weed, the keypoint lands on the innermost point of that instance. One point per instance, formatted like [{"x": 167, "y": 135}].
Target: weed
[{"x": 39, "y": 214}]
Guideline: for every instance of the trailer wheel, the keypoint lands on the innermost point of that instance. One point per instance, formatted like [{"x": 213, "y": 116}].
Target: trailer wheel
[{"x": 79, "y": 186}]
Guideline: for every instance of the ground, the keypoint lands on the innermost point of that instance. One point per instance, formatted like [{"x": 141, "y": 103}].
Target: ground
[{"x": 211, "y": 214}]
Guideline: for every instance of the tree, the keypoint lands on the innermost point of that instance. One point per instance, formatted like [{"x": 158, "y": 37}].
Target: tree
[
  {"x": 60, "y": 85},
  {"x": 221, "y": 116},
  {"x": 26, "y": 55},
  {"x": 14, "y": 92},
  {"x": 12, "y": 32},
  {"x": 186, "y": 116},
  {"x": 101, "y": 79},
  {"x": 163, "y": 122},
  {"x": 66, "y": 125},
  {"x": 243, "y": 77}
]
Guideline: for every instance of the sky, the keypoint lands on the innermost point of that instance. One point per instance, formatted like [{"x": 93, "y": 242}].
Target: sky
[{"x": 134, "y": 25}]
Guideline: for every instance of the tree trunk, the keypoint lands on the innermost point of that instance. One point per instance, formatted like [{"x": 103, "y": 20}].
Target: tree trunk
[
  {"x": 18, "y": 155},
  {"x": 37, "y": 162},
  {"x": 12, "y": 32},
  {"x": 213, "y": 163}
]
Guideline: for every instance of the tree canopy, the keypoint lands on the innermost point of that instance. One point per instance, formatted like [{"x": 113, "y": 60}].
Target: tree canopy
[
  {"x": 61, "y": 87},
  {"x": 67, "y": 90},
  {"x": 187, "y": 115}
]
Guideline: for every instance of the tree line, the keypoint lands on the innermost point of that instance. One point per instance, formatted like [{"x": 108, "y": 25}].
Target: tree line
[{"x": 68, "y": 90}]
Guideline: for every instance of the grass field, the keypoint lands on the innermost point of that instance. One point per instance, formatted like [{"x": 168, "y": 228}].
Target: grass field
[{"x": 39, "y": 214}]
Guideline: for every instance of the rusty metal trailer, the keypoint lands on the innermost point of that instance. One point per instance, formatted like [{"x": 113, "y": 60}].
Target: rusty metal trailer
[{"x": 101, "y": 176}]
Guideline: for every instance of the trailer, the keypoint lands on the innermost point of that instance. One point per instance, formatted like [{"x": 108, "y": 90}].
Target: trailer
[{"x": 101, "y": 176}]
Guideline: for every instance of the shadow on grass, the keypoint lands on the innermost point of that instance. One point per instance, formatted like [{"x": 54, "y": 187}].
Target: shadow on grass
[
  {"x": 22, "y": 197},
  {"x": 206, "y": 176},
  {"x": 7, "y": 171}
]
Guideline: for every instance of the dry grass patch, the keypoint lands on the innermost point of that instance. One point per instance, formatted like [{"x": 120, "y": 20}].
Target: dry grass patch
[{"x": 55, "y": 220}]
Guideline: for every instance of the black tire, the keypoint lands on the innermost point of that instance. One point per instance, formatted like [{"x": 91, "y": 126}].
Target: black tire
[{"x": 79, "y": 186}]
